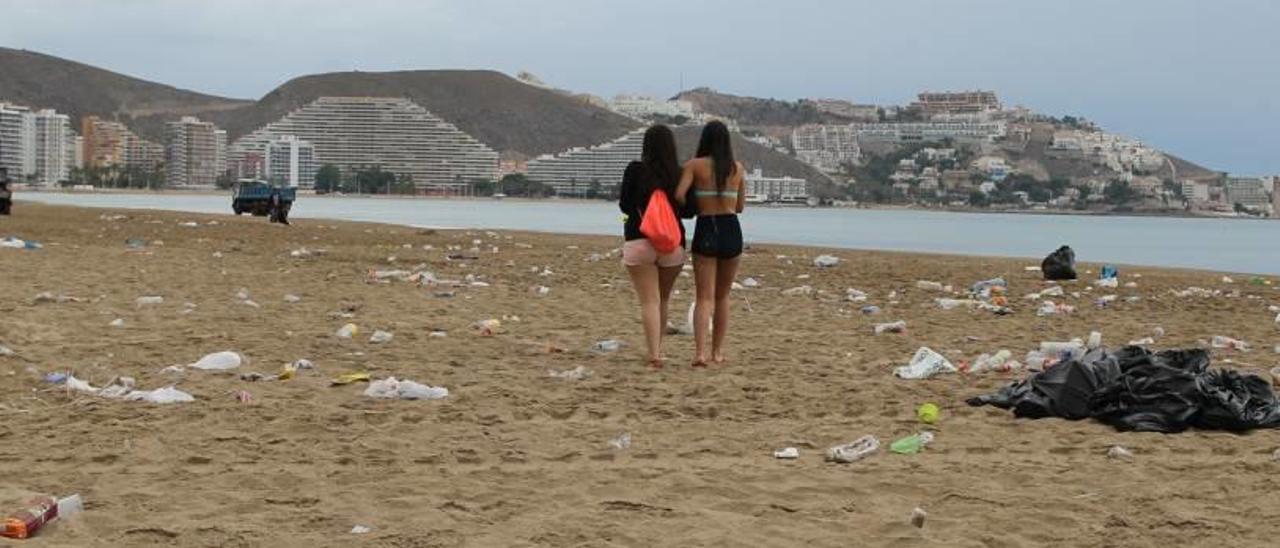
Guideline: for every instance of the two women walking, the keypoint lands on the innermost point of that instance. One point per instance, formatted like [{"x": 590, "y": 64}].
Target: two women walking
[{"x": 712, "y": 185}]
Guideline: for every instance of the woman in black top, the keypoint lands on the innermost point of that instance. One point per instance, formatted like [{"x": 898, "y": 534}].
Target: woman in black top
[{"x": 653, "y": 275}]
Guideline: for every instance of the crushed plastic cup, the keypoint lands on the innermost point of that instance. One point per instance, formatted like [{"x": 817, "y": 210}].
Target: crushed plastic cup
[
  {"x": 1117, "y": 452},
  {"x": 789, "y": 453},
  {"x": 912, "y": 444},
  {"x": 149, "y": 300},
  {"x": 360, "y": 530},
  {"x": 925, "y": 363},
  {"x": 380, "y": 337},
  {"x": 918, "y": 515},
  {"x": 854, "y": 451},
  {"x": 218, "y": 361},
  {"x": 899, "y": 326}
]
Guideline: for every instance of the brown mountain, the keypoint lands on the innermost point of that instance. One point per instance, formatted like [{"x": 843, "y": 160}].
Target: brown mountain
[
  {"x": 510, "y": 116},
  {"x": 42, "y": 81},
  {"x": 756, "y": 113}
]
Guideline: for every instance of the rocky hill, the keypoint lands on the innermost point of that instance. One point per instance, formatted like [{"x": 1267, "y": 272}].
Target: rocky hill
[
  {"x": 42, "y": 81},
  {"x": 753, "y": 113}
]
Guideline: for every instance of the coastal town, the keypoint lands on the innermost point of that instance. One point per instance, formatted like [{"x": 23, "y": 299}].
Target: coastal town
[{"x": 948, "y": 150}]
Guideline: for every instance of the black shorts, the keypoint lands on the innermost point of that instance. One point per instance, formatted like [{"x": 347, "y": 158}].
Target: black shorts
[{"x": 718, "y": 236}]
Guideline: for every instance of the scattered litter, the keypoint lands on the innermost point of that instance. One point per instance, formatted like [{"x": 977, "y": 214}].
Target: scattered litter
[
  {"x": 1000, "y": 361},
  {"x": 380, "y": 337},
  {"x": 1220, "y": 341},
  {"x": 391, "y": 388},
  {"x": 912, "y": 444},
  {"x": 930, "y": 286},
  {"x": 541, "y": 290},
  {"x": 55, "y": 378},
  {"x": 218, "y": 361},
  {"x": 348, "y": 378},
  {"x": 826, "y": 261},
  {"x": 606, "y": 346},
  {"x": 1227, "y": 280},
  {"x": 438, "y": 334},
  {"x": 135, "y": 244},
  {"x": 918, "y": 516},
  {"x": 360, "y": 530},
  {"x": 1110, "y": 283},
  {"x": 750, "y": 283},
  {"x": 924, "y": 364},
  {"x": 118, "y": 322},
  {"x": 1049, "y": 308},
  {"x": 929, "y": 413},
  {"x": 348, "y": 331},
  {"x": 14, "y": 243},
  {"x": 6, "y": 351},
  {"x": 788, "y": 453},
  {"x": 1117, "y": 452},
  {"x": 855, "y": 296},
  {"x": 122, "y": 388},
  {"x": 871, "y": 310},
  {"x": 47, "y": 297},
  {"x": 291, "y": 298},
  {"x": 575, "y": 374},
  {"x": 487, "y": 327},
  {"x": 1060, "y": 265},
  {"x": 951, "y": 304},
  {"x": 802, "y": 291},
  {"x": 854, "y": 451},
  {"x": 986, "y": 288},
  {"x": 892, "y": 327},
  {"x": 1145, "y": 341},
  {"x": 149, "y": 300},
  {"x": 621, "y": 442},
  {"x": 243, "y": 396}
]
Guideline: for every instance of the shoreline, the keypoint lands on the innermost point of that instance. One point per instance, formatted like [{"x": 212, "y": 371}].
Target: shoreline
[
  {"x": 1163, "y": 214},
  {"x": 1082, "y": 266}
]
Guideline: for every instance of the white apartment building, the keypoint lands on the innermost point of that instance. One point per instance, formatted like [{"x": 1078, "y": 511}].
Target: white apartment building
[
  {"x": 826, "y": 147},
  {"x": 291, "y": 161},
  {"x": 575, "y": 171},
  {"x": 1247, "y": 191},
  {"x": 17, "y": 141},
  {"x": 642, "y": 108},
  {"x": 53, "y": 137},
  {"x": 761, "y": 189},
  {"x": 195, "y": 153},
  {"x": 1195, "y": 192},
  {"x": 909, "y": 132},
  {"x": 394, "y": 134}
]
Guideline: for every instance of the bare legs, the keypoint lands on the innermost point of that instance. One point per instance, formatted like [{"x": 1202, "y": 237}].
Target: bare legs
[
  {"x": 714, "y": 279},
  {"x": 726, "y": 271},
  {"x": 645, "y": 280},
  {"x": 653, "y": 287}
]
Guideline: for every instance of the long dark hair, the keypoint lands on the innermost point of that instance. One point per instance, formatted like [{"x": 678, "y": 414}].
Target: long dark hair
[
  {"x": 659, "y": 156},
  {"x": 715, "y": 144}
]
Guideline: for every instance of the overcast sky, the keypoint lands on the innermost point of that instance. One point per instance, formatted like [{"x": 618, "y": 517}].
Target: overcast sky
[{"x": 1199, "y": 78}]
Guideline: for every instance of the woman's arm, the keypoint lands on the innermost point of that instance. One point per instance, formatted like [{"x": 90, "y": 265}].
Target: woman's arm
[
  {"x": 686, "y": 182},
  {"x": 626, "y": 194},
  {"x": 742, "y": 190}
]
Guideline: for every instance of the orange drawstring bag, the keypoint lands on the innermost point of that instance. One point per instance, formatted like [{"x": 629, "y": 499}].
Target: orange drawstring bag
[{"x": 659, "y": 224}]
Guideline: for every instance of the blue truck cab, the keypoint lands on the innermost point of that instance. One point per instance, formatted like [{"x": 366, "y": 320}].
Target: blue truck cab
[{"x": 255, "y": 197}]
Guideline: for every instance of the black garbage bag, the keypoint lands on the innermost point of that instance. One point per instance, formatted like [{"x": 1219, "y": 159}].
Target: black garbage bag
[
  {"x": 1135, "y": 389},
  {"x": 1060, "y": 265}
]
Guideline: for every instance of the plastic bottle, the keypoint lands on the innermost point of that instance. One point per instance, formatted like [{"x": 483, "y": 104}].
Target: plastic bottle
[
  {"x": 987, "y": 362},
  {"x": 854, "y": 451},
  {"x": 24, "y": 523},
  {"x": 1095, "y": 340},
  {"x": 1068, "y": 350},
  {"x": 912, "y": 444}
]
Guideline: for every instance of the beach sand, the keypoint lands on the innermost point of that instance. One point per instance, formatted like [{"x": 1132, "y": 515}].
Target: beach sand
[{"x": 515, "y": 458}]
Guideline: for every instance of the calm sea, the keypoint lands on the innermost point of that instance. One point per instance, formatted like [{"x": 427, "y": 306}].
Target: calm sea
[{"x": 1214, "y": 244}]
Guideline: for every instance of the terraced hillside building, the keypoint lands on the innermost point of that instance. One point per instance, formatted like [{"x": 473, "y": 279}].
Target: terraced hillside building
[
  {"x": 826, "y": 147},
  {"x": 583, "y": 171},
  {"x": 394, "y": 134}
]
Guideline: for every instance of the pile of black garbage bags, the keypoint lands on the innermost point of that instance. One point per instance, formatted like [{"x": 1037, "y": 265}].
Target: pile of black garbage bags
[{"x": 1136, "y": 389}]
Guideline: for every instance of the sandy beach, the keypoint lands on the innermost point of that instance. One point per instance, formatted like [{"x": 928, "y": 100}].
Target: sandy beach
[{"x": 515, "y": 457}]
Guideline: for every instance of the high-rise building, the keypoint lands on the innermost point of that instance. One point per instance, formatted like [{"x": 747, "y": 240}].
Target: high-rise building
[
  {"x": 826, "y": 147},
  {"x": 393, "y": 134},
  {"x": 52, "y": 133},
  {"x": 775, "y": 189},
  {"x": 195, "y": 153},
  {"x": 17, "y": 141},
  {"x": 105, "y": 142},
  {"x": 75, "y": 152},
  {"x": 291, "y": 161},
  {"x": 576, "y": 171}
]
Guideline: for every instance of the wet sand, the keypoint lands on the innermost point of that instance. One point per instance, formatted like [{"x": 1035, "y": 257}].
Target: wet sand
[{"x": 514, "y": 457}]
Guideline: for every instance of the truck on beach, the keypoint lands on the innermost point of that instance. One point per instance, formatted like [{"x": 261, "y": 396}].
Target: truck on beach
[{"x": 260, "y": 198}]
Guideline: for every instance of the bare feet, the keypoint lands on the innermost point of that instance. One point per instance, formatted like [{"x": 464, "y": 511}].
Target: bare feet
[
  {"x": 655, "y": 363},
  {"x": 700, "y": 362},
  {"x": 718, "y": 358}
]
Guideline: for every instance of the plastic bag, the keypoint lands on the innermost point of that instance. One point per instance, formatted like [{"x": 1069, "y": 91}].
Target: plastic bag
[
  {"x": 660, "y": 225},
  {"x": 924, "y": 364},
  {"x": 218, "y": 361},
  {"x": 391, "y": 388},
  {"x": 1060, "y": 265}
]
